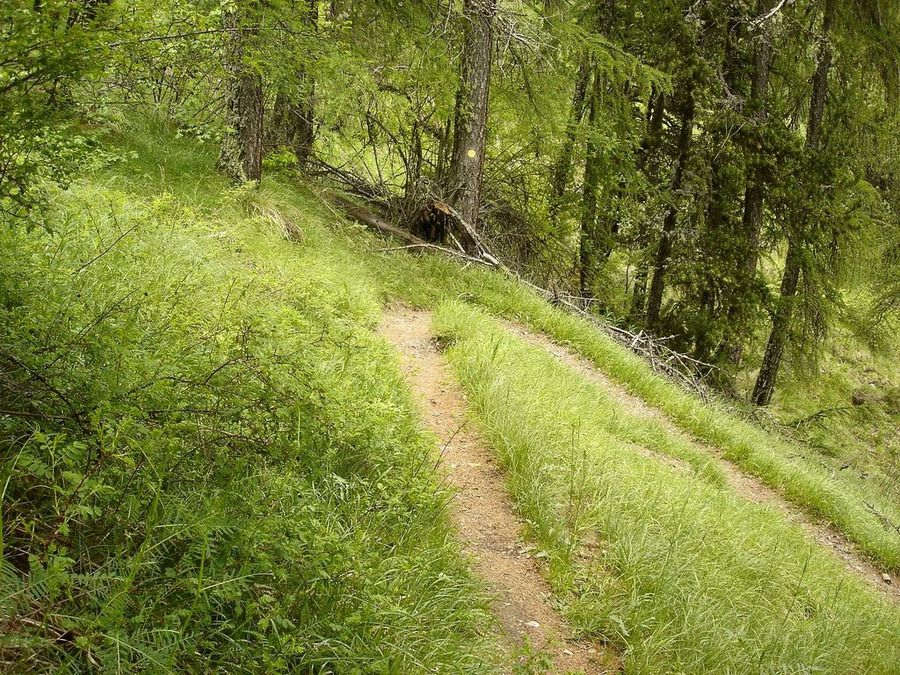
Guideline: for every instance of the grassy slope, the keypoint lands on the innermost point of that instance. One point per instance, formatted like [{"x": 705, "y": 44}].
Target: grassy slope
[
  {"x": 818, "y": 486},
  {"x": 312, "y": 465},
  {"x": 230, "y": 474},
  {"x": 864, "y": 439},
  {"x": 686, "y": 577}
]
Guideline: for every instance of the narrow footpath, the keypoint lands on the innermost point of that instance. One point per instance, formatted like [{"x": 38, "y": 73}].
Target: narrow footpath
[{"x": 482, "y": 511}]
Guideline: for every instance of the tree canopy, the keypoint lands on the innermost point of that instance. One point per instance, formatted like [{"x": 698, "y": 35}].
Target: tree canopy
[{"x": 714, "y": 172}]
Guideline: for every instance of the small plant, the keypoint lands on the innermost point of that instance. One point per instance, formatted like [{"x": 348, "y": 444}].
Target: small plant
[{"x": 528, "y": 660}]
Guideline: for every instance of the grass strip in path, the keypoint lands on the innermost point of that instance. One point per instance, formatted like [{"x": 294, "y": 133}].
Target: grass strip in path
[
  {"x": 627, "y": 417},
  {"x": 642, "y": 421},
  {"x": 702, "y": 580},
  {"x": 483, "y": 514},
  {"x": 856, "y": 508}
]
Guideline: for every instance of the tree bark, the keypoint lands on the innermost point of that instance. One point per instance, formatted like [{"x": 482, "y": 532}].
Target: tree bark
[
  {"x": 720, "y": 244},
  {"x": 242, "y": 145},
  {"x": 781, "y": 323},
  {"x": 562, "y": 170},
  {"x": 587, "y": 240},
  {"x": 293, "y": 115},
  {"x": 781, "y": 320},
  {"x": 717, "y": 209},
  {"x": 656, "y": 110},
  {"x": 470, "y": 119},
  {"x": 755, "y": 191},
  {"x": 755, "y": 183},
  {"x": 650, "y": 142},
  {"x": 664, "y": 248}
]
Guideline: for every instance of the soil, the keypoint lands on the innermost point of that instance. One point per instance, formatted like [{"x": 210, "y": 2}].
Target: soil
[{"x": 483, "y": 513}]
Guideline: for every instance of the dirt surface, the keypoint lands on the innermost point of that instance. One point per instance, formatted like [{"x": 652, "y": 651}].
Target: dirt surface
[
  {"x": 482, "y": 511},
  {"x": 747, "y": 486}
]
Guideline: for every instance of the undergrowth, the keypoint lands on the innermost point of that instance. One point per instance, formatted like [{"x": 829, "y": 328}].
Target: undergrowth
[
  {"x": 680, "y": 575},
  {"x": 207, "y": 460}
]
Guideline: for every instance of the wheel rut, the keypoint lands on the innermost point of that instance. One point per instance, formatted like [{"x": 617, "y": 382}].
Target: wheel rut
[
  {"x": 483, "y": 513},
  {"x": 743, "y": 484}
]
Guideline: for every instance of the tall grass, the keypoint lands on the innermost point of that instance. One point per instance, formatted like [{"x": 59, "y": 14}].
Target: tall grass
[
  {"x": 208, "y": 462},
  {"x": 861, "y": 509},
  {"x": 684, "y": 577},
  {"x": 857, "y": 508}
]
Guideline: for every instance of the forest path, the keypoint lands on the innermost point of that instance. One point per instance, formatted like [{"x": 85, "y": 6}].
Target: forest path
[
  {"x": 482, "y": 511},
  {"x": 743, "y": 484}
]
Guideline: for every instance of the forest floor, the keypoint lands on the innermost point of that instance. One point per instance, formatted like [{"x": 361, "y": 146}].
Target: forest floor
[{"x": 482, "y": 512}]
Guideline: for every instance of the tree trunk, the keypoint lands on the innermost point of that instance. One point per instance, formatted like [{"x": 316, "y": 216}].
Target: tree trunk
[
  {"x": 304, "y": 109},
  {"x": 587, "y": 240},
  {"x": 755, "y": 186},
  {"x": 242, "y": 145},
  {"x": 664, "y": 248},
  {"x": 293, "y": 116},
  {"x": 470, "y": 120},
  {"x": 304, "y": 125},
  {"x": 717, "y": 209},
  {"x": 781, "y": 321},
  {"x": 279, "y": 129},
  {"x": 650, "y": 142},
  {"x": 755, "y": 191},
  {"x": 719, "y": 246},
  {"x": 562, "y": 170},
  {"x": 656, "y": 110},
  {"x": 639, "y": 293}
]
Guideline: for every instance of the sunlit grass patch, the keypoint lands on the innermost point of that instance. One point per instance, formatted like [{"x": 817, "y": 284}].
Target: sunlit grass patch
[{"x": 690, "y": 577}]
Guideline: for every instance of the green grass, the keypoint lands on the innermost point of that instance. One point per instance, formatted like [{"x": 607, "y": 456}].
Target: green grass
[
  {"x": 862, "y": 439},
  {"x": 685, "y": 577},
  {"x": 855, "y": 506},
  {"x": 841, "y": 499},
  {"x": 209, "y": 460},
  {"x": 213, "y": 463}
]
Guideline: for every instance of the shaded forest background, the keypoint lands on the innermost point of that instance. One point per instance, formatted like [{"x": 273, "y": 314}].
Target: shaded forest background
[{"x": 721, "y": 174}]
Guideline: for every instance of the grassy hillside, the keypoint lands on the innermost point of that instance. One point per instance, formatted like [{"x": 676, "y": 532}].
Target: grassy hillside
[
  {"x": 859, "y": 507},
  {"x": 685, "y": 576},
  {"x": 849, "y": 410},
  {"x": 210, "y": 460}
]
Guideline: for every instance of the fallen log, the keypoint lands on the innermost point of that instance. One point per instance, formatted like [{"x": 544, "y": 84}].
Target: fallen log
[
  {"x": 367, "y": 217},
  {"x": 434, "y": 222},
  {"x": 688, "y": 372}
]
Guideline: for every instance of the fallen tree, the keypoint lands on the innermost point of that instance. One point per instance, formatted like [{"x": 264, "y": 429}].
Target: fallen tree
[
  {"x": 441, "y": 223},
  {"x": 429, "y": 221}
]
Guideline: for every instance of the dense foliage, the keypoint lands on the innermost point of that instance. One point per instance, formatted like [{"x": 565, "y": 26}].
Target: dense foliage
[
  {"x": 723, "y": 174},
  {"x": 690, "y": 169},
  {"x": 211, "y": 450}
]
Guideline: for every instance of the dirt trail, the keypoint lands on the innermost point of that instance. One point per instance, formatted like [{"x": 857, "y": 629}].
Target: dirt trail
[
  {"x": 482, "y": 511},
  {"x": 747, "y": 486}
]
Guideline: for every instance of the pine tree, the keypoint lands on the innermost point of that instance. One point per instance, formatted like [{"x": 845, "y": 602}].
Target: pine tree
[
  {"x": 471, "y": 115},
  {"x": 781, "y": 320}
]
